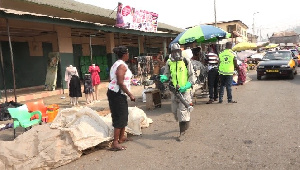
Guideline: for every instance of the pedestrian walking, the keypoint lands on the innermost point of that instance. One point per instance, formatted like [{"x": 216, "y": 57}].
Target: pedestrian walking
[
  {"x": 213, "y": 75},
  {"x": 118, "y": 88},
  {"x": 227, "y": 65},
  {"x": 180, "y": 72}
]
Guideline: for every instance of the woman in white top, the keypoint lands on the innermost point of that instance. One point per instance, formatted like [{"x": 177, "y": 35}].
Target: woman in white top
[{"x": 118, "y": 90}]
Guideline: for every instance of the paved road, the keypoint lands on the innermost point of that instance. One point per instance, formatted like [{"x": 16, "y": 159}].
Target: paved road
[{"x": 261, "y": 131}]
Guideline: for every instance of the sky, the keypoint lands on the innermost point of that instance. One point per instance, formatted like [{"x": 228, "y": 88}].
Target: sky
[{"x": 269, "y": 16}]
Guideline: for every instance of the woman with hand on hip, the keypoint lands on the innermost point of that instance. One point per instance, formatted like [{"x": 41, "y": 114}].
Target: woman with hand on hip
[{"x": 118, "y": 90}]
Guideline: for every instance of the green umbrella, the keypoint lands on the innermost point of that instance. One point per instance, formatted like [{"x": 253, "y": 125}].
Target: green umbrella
[{"x": 201, "y": 34}]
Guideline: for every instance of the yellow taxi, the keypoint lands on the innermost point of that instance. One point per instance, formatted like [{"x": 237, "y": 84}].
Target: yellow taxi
[{"x": 278, "y": 63}]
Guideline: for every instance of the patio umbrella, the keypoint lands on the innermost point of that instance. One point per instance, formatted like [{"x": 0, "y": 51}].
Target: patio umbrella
[
  {"x": 262, "y": 44},
  {"x": 272, "y": 46},
  {"x": 244, "y": 46},
  {"x": 245, "y": 54},
  {"x": 201, "y": 33}
]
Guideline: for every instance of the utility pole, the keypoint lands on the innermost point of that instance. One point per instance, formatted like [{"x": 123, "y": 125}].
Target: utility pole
[
  {"x": 253, "y": 30},
  {"x": 215, "y": 9}
]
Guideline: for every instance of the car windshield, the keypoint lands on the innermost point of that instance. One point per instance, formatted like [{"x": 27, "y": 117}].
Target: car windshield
[{"x": 277, "y": 55}]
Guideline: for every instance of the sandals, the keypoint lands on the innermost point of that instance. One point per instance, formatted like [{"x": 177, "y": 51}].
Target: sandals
[
  {"x": 232, "y": 101},
  {"x": 117, "y": 148}
]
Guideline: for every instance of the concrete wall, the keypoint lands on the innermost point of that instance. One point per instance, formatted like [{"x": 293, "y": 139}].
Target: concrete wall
[{"x": 29, "y": 70}]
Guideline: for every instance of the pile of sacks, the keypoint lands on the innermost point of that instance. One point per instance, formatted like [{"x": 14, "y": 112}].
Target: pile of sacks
[{"x": 72, "y": 131}]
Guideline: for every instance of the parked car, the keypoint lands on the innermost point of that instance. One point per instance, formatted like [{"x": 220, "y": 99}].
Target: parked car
[
  {"x": 296, "y": 53},
  {"x": 280, "y": 63}
]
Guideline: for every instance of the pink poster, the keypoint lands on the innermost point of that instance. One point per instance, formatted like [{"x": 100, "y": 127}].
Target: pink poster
[{"x": 131, "y": 18}]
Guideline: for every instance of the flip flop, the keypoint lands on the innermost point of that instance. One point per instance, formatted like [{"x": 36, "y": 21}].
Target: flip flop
[{"x": 117, "y": 148}]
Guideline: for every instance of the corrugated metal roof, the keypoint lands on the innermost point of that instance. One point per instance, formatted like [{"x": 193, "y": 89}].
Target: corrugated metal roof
[
  {"x": 220, "y": 22},
  {"x": 12, "y": 11},
  {"x": 75, "y": 6},
  {"x": 284, "y": 34},
  {"x": 75, "y": 23}
]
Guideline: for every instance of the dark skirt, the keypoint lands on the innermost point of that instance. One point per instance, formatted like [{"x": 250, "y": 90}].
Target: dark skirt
[
  {"x": 75, "y": 87},
  {"x": 119, "y": 108},
  {"x": 88, "y": 87}
]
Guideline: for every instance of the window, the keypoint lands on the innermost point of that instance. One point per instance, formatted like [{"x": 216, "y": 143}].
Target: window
[
  {"x": 239, "y": 30},
  {"x": 230, "y": 28}
]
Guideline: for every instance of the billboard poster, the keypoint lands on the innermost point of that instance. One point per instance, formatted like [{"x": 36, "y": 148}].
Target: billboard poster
[{"x": 129, "y": 17}]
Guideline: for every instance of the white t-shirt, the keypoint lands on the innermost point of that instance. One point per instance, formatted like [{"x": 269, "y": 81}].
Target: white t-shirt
[{"x": 113, "y": 77}]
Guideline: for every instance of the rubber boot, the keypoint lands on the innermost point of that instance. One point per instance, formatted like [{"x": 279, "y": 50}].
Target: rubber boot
[{"x": 182, "y": 127}]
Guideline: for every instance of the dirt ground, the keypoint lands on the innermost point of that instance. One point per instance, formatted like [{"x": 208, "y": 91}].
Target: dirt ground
[{"x": 261, "y": 131}]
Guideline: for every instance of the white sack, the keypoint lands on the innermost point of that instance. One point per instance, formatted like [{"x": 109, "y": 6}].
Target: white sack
[
  {"x": 38, "y": 148},
  {"x": 85, "y": 126},
  {"x": 137, "y": 119},
  {"x": 73, "y": 130}
]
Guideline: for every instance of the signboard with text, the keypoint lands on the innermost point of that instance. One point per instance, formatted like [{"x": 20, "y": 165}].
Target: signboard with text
[{"x": 131, "y": 18}]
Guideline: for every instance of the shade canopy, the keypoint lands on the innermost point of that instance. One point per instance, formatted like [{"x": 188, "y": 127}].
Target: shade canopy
[{"x": 201, "y": 34}]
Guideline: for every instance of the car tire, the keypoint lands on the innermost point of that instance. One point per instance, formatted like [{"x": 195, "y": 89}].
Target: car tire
[
  {"x": 292, "y": 76},
  {"x": 258, "y": 77}
]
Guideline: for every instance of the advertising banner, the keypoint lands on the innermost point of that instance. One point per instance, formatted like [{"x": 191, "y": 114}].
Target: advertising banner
[{"x": 130, "y": 18}]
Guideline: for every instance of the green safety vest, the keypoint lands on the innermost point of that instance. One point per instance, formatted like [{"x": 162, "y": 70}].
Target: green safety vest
[
  {"x": 179, "y": 72},
  {"x": 226, "y": 66}
]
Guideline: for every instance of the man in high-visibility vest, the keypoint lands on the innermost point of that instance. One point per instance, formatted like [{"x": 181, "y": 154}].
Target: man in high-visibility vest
[
  {"x": 227, "y": 65},
  {"x": 180, "y": 72}
]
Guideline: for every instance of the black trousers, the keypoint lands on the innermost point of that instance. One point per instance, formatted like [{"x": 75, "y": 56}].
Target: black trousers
[{"x": 213, "y": 80}]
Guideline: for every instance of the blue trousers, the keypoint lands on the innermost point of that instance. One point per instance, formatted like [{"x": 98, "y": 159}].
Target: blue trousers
[{"x": 226, "y": 81}]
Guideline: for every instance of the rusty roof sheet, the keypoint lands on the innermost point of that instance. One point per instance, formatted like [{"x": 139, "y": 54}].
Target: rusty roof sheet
[
  {"x": 220, "y": 22},
  {"x": 12, "y": 11},
  {"x": 284, "y": 34}
]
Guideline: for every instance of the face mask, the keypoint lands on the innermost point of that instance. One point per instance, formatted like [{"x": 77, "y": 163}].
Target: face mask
[{"x": 177, "y": 56}]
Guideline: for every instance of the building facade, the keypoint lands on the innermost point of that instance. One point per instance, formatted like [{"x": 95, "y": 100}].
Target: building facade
[
  {"x": 236, "y": 27},
  {"x": 284, "y": 37},
  {"x": 36, "y": 28},
  {"x": 252, "y": 38}
]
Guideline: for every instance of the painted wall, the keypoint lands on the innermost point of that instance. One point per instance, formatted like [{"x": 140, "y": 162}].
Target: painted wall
[
  {"x": 240, "y": 28},
  {"x": 29, "y": 70}
]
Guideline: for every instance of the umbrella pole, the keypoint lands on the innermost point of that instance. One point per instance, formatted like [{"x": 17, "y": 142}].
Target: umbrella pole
[
  {"x": 3, "y": 75},
  {"x": 12, "y": 59}
]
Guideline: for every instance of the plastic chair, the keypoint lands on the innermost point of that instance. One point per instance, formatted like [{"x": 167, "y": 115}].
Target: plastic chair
[
  {"x": 38, "y": 106},
  {"x": 21, "y": 117},
  {"x": 52, "y": 111}
]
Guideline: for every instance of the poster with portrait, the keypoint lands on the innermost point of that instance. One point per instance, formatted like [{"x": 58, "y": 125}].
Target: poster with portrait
[{"x": 129, "y": 17}]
